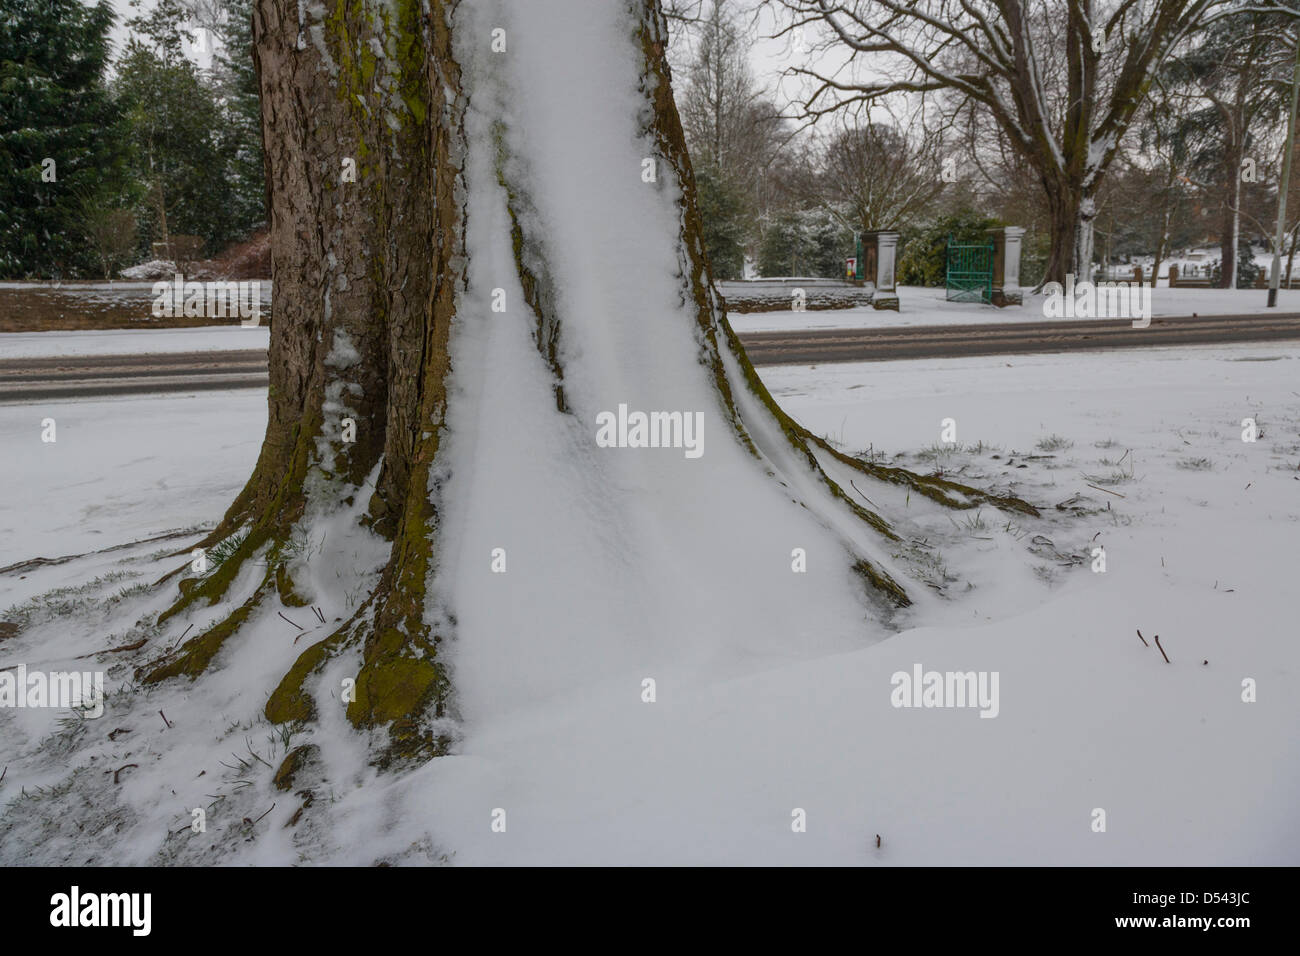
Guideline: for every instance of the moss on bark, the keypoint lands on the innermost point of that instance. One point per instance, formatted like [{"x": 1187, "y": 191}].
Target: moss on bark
[{"x": 197, "y": 653}]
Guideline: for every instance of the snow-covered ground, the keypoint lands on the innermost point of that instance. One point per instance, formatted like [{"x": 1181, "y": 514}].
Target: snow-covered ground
[
  {"x": 1199, "y": 530},
  {"x": 124, "y": 469},
  {"x": 922, "y": 306}
]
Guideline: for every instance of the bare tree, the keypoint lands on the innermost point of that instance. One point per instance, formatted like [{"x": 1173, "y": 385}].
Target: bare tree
[
  {"x": 728, "y": 120},
  {"x": 874, "y": 177},
  {"x": 1062, "y": 79},
  {"x": 735, "y": 136},
  {"x": 110, "y": 232}
]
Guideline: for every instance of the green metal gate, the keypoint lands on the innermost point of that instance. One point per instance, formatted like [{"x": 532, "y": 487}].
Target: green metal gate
[{"x": 969, "y": 275}]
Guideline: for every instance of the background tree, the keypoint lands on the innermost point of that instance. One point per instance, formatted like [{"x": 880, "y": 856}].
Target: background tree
[
  {"x": 726, "y": 220},
  {"x": 1239, "y": 72},
  {"x": 110, "y": 232},
  {"x": 1062, "y": 81},
  {"x": 734, "y": 134},
  {"x": 994, "y": 182},
  {"x": 54, "y": 105},
  {"x": 1157, "y": 184},
  {"x": 872, "y": 176},
  {"x": 177, "y": 131},
  {"x": 805, "y": 241},
  {"x": 236, "y": 78}
]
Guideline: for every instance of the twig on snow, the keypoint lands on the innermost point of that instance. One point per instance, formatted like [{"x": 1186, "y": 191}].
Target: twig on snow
[
  {"x": 1107, "y": 490},
  {"x": 255, "y": 822},
  {"x": 1162, "y": 651},
  {"x": 859, "y": 491}
]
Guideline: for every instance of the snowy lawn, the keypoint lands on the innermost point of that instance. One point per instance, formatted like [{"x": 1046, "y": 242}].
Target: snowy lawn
[
  {"x": 1199, "y": 530},
  {"x": 925, "y": 306},
  {"x": 123, "y": 469}
]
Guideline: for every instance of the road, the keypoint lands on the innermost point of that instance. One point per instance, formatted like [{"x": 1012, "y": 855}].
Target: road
[
  {"x": 1012, "y": 338},
  {"x": 91, "y": 376},
  {"x": 34, "y": 379}
]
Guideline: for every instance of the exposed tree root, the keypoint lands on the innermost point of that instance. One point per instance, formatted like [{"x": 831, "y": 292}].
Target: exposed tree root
[
  {"x": 31, "y": 564},
  {"x": 213, "y": 586},
  {"x": 290, "y": 701},
  {"x": 937, "y": 489},
  {"x": 197, "y": 653}
]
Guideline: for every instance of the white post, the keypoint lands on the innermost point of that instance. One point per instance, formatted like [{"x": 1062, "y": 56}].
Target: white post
[
  {"x": 880, "y": 249},
  {"x": 1006, "y": 265}
]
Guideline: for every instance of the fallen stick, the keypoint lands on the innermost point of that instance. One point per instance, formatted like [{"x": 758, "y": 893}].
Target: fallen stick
[
  {"x": 255, "y": 822},
  {"x": 124, "y": 766},
  {"x": 113, "y": 650},
  {"x": 1162, "y": 651},
  {"x": 859, "y": 491},
  {"x": 1143, "y": 640},
  {"x": 1107, "y": 490},
  {"x": 298, "y": 626},
  {"x": 181, "y": 638}
]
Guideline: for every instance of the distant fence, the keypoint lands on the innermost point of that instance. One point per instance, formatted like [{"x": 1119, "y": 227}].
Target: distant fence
[
  {"x": 1178, "y": 280},
  {"x": 1186, "y": 277}
]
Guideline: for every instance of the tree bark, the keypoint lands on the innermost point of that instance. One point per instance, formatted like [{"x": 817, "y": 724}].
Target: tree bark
[
  {"x": 1290, "y": 259},
  {"x": 365, "y": 238},
  {"x": 1231, "y": 223},
  {"x": 1063, "y": 223}
]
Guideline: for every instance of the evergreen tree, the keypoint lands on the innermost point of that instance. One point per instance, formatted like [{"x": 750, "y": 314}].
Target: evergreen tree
[
  {"x": 57, "y": 125},
  {"x": 237, "y": 84},
  {"x": 722, "y": 222},
  {"x": 177, "y": 131},
  {"x": 805, "y": 242}
]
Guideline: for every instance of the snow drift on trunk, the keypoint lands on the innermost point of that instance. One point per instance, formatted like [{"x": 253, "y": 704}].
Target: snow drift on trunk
[{"x": 621, "y": 563}]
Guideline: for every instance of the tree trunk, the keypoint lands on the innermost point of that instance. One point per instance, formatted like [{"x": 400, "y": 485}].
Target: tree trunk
[
  {"x": 1063, "y": 221},
  {"x": 1160, "y": 252},
  {"x": 1084, "y": 235},
  {"x": 1231, "y": 226},
  {"x": 1290, "y": 261},
  {"x": 1071, "y": 219},
  {"x": 377, "y": 280}
]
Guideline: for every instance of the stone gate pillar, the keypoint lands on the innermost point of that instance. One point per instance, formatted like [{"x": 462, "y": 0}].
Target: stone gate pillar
[
  {"x": 1006, "y": 265},
  {"x": 880, "y": 250}
]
